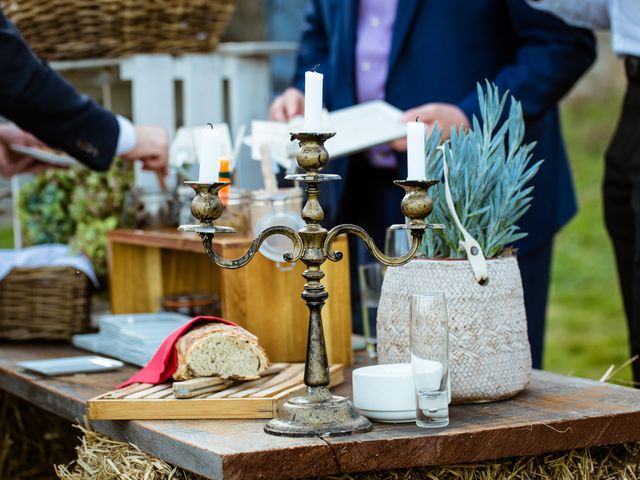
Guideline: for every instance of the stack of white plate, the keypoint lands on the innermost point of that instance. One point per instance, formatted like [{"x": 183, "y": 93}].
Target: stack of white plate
[{"x": 133, "y": 338}]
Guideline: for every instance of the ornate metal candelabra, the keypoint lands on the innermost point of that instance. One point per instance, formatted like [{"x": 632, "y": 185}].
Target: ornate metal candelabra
[{"x": 318, "y": 412}]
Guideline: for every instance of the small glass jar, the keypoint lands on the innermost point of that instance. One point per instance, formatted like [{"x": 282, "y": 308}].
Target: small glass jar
[
  {"x": 281, "y": 208},
  {"x": 265, "y": 204},
  {"x": 185, "y": 196},
  {"x": 151, "y": 209},
  {"x": 236, "y": 212},
  {"x": 192, "y": 304}
]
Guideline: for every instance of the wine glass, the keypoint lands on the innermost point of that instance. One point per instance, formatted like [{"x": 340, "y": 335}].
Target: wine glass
[
  {"x": 370, "y": 277},
  {"x": 396, "y": 242}
]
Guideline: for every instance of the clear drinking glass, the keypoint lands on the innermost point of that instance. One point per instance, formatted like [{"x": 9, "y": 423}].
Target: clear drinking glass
[
  {"x": 429, "y": 337},
  {"x": 396, "y": 242},
  {"x": 370, "y": 277}
]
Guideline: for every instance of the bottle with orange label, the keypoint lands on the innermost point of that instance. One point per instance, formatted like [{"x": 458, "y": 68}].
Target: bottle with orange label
[
  {"x": 235, "y": 200},
  {"x": 224, "y": 175}
]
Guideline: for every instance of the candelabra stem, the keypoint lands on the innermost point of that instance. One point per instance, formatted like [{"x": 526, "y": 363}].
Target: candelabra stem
[{"x": 316, "y": 372}]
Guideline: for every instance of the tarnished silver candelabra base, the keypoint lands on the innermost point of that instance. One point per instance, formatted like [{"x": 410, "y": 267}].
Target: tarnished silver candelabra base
[{"x": 317, "y": 412}]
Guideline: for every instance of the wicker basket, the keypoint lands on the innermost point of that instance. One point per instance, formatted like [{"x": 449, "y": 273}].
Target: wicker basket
[
  {"x": 489, "y": 353},
  {"x": 75, "y": 29},
  {"x": 50, "y": 303}
]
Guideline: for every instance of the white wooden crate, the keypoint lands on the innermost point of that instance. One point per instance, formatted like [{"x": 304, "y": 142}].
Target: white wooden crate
[{"x": 229, "y": 85}]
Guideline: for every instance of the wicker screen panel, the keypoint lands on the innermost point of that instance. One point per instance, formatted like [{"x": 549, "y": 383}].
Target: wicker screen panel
[{"x": 76, "y": 29}]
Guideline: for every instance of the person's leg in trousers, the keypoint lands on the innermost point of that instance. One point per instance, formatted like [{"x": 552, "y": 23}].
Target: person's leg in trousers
[
  {"x": 619, "y": 220},
  {"x": 621, "y": 194},
  {"x": 535, "y": 270}
]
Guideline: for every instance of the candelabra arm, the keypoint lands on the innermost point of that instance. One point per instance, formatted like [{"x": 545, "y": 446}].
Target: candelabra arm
[
  {"x": 296, "y": 254},
  {"x": 416, "y": 235}
]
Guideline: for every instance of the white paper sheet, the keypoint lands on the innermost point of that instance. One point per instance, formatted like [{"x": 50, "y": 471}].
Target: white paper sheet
[{"x": 357, "y": 128}]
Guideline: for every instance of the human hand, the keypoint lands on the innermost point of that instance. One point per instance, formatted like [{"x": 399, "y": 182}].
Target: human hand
[
  {"x": 447, "y": 115},
  {"x": 12, "y": 163},
  {"x": 287, "y": 105},
  {"x": 152, "y": 148}
]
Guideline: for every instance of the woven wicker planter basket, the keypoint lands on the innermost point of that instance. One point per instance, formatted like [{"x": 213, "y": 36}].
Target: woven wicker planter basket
[
  {"x": 75, "y": 29},
  {"x": 51, "y": 303},
  {"x": 489, "y": 352}
]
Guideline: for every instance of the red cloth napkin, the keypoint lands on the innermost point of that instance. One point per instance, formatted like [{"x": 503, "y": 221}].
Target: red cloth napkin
[{"x": 165, "y": 360}]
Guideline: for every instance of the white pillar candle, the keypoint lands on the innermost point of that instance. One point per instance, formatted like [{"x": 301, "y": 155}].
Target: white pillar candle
[
  {"x": 208, "y": 152},
  {"x": 415, "y": 151},
  {"x": 312, "y": 102}
]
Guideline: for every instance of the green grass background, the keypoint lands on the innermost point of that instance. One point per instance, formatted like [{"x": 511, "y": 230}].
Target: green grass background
[
  {"x": 586, "y": 331},
  {"x": 6, "y": 236}
]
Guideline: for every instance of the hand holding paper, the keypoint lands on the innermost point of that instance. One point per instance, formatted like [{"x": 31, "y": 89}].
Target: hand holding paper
[{"x": 447, "y": 115}]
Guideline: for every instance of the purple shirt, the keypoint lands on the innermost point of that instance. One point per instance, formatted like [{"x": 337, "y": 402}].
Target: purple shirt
[{"x": 373, "y": 45}]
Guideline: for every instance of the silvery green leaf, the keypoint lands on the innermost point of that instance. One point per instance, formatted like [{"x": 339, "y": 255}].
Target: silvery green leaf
[{"x": 489, "y": 171}]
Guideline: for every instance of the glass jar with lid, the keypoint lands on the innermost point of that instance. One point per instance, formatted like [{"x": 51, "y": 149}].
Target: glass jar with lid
[
  {"x": 284, "y": 208},
  {"x": 265, "y": 203},
  {"x": 236, "y": 212}
]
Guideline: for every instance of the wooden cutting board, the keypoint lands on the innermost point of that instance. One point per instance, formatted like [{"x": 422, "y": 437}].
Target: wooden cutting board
[{"x": 251, "y": 399}]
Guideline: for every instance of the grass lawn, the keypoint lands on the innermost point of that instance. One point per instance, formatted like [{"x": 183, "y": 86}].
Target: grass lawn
[
  {"x": 586, "y": 329},
  {"x": 6, "y": 236}
]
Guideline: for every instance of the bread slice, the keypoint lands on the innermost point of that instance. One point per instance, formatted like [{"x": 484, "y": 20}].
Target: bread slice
[{"x": 217, "y": 349}]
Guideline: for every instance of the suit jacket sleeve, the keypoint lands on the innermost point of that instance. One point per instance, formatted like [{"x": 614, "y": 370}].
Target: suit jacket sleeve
[
  {"x": 313, "y": 45},
  {"x": 550, "y": 58},
  {"x": 40, "y": 101}
]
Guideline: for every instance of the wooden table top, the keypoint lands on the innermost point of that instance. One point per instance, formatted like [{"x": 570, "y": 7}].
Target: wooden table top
[
  {"x": 554, "y": 413},
  {"x": 172, "y": 239}
]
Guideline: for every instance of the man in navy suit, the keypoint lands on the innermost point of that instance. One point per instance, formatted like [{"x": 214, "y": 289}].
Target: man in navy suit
[
  {"x": 41, "y": 102},
  {"x": 425, "y": 57}
]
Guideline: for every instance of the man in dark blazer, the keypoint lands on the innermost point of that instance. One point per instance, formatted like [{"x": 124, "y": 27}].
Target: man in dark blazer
[
  {"x": 433, "y": 54},
  {"x": 41, "y": 102}
]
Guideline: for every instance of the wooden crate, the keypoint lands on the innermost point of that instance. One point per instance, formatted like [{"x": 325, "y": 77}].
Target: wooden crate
[
  {"x": 145, "y": 265},
  {"x": 254, "y": 399}
]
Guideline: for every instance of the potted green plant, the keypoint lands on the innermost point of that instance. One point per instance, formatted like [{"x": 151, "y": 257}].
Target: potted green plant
[
  {"x": 489, "y": 171},
  {"x": 76, "y": 206}
]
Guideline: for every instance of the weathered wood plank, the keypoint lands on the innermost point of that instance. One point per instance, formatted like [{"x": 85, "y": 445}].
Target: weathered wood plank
[
  {"x": 189, "y": 242},
  {"x": 554, "y": 413}
]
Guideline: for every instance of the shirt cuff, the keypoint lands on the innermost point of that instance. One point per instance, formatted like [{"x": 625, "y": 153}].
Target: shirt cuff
[{"x": 126, "y": 136}]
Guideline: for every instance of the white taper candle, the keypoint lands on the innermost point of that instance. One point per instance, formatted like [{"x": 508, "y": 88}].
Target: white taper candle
[
  {"x": 415, "y": 151},
  {"x": 208, "y": 151},
  {"x": 313, "y": 101}
]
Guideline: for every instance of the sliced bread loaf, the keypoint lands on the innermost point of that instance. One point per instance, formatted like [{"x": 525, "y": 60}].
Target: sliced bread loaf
[{"x": 220, "y": 350}]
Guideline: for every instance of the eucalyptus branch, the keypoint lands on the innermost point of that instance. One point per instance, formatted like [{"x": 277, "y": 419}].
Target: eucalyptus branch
[{"x": 490, "y": 170}]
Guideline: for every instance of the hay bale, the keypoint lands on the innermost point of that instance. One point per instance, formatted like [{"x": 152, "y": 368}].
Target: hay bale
[
  {"x": 32, "y": 440},
  {"x": 612, "y": 462},
  {"x": 100, "y": 458}
]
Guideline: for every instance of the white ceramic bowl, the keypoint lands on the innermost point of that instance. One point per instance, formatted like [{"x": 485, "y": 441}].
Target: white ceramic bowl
[{"x": 385, "y": 392}]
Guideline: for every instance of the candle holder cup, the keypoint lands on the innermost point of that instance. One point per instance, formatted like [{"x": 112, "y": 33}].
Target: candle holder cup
[
  {"x": 317, "y": 412},
  {"x": 206, "y": 207}
]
